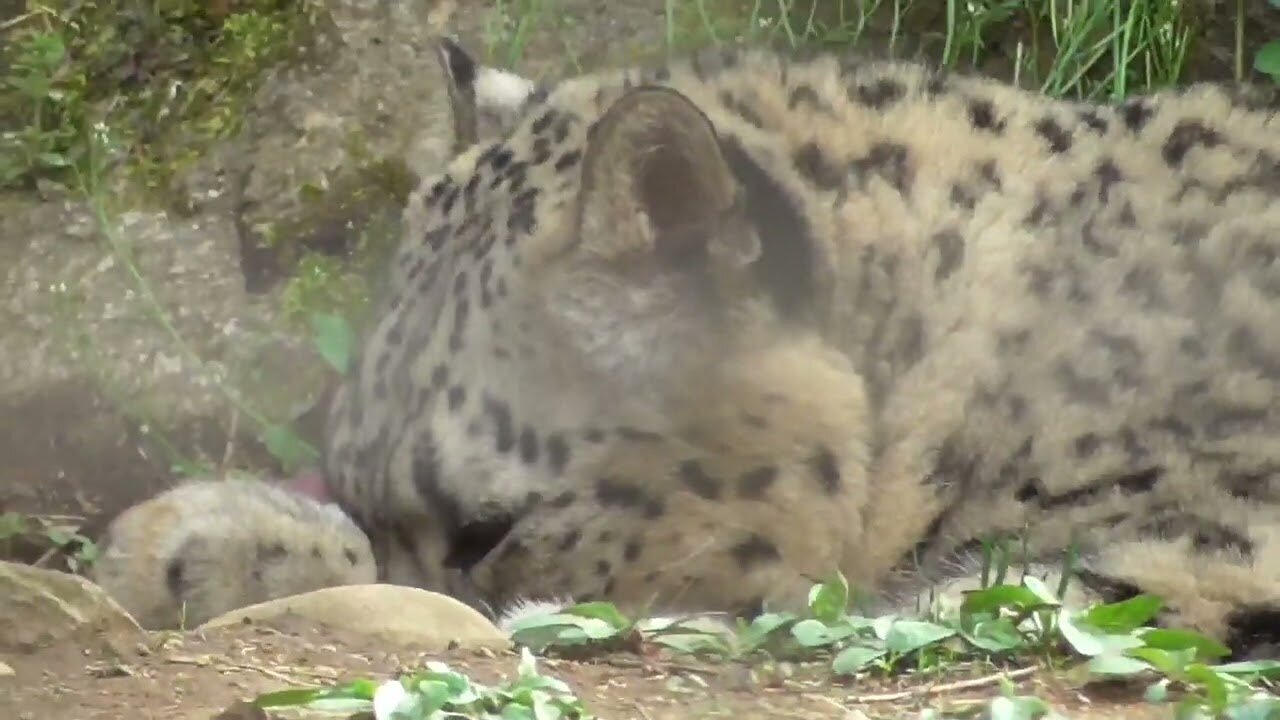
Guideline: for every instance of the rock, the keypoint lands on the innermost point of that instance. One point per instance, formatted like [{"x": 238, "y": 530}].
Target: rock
[
  {"x": 98, "y": 399},
  {"x": 42, "y": 607},
  {"x": 394, "y": 613}
]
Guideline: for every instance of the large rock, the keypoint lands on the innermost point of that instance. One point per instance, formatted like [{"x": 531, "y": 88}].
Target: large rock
[
  {"x": 41, "y": 607},
  {"x": 394, "y": 613},
  {"x": 98, "y": 399}
]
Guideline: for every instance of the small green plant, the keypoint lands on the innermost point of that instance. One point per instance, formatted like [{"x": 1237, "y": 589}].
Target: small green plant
[
  {"x": 1088, "y": 49},
  {"x": 439, "y": 692},
  {"x": 1267, "y": 60},
  {"x": 597, "y": 626},
  {"x": 171, "y": 76},
  {"x": 999, "y": 624},
  {"x": 320, "y": 285},
  {"x": 52, "y": 534},
  {"x": 40, "y": 82}
]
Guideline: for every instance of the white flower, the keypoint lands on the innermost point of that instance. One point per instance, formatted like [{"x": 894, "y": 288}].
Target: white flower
[{"x": 387, "y": 698}]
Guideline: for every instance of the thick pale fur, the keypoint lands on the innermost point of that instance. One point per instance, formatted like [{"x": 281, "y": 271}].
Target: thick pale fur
[
  {"x": 928, "y": 309},
  {"x": 205, "y": 547},
  {"x": 691, "y": 338}
]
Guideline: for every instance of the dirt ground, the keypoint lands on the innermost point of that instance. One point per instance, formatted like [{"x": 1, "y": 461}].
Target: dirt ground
[{"x": 211, "y": 675}]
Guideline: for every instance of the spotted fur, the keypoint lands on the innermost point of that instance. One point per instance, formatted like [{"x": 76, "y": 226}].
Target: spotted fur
[
  {"x": 205, "y": 547},
  {"x": 692, "y": 337}
]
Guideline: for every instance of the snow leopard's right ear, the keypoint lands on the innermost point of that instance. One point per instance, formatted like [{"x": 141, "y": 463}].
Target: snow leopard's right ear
[{"x": 485, "y": 101}]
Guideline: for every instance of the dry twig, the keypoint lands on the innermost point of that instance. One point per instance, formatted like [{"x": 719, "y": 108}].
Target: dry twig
[{"x": 929, "y": 690}]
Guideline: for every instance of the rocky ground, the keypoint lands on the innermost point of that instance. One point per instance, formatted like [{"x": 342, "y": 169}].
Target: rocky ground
[
  {"x": 154, "y": 333},
  {"x": 67, "y": 652},
  {"x": 203, "y": 676}
]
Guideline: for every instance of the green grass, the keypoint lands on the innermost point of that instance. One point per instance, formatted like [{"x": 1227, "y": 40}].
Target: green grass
[
  {"x": 439, "y": 692},
  {"x": 999, "y": 624},
  {"x": 53, "y": 536},
  {"x": 168, "y": 77},
  {"x": 1087, "y": 49},
  {"x": 176, "y": 75}
]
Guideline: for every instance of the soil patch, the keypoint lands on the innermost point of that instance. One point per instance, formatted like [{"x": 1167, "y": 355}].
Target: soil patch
[{"x": 211, "y": 674}]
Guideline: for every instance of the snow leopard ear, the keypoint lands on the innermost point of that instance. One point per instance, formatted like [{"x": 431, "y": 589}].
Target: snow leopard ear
[
  {"x": 460, "y": 80},
  {"x": 485, "y": 101},
  {"x": 653, "y": 163}
]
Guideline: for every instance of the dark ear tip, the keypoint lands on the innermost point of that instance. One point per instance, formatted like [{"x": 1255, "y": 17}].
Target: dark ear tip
[
  {"x": 445, "y": 44},
  {"x": 455, "y": 59}
]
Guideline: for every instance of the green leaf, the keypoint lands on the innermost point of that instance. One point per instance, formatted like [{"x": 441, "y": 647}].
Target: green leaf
[
  {"x": 546, "y": 620},
  {"x": 829, "y": 600},
  {"x": 815, "y": 633},
  {"x": 852, "y": 659},
  {"x": 992, "y": 599},
  {"x": 1267, "y": 60},
  {"x": 763, "y": 627},
  {"x": 35, "y": 88},
  {"x": 54, "y": 160},
  {"x": 691, "y": 643},
  {"x": 996, "y": 635},
  {"x": 88, "y": 553},
  {"x": 352, "y": 696},
  {"x": 1214, "y": 686},
  {"x": 517, "y": 712},
  {"x": 431, "y": 694},
  {"x": 1269, "y": 669},
  {"x": 528, "y": 666},
  {"x": 1123, "y": 616},
  {"x": 287, "y": 698},
  {"x": 1204, "y": 648},
  {"x": 45, "y": 50},
  {"x": 607, "y": 612},
  {"x": 1169, "y": 662},
  {"x": 1116, "y": 664},
  {"x": 284, "y": 445},
  {"x": 1157, "y": 692},
  {"x": 540, "y": 631},
  {"x": 1089, "y": 641},
  {"x": 334, "y": 339},
  {"x": 1042, "y": 591},
  {"x": 358, "y": 689},
  {"x": 908, "y": 635},
  {"x": 1256, "y": 708},
  {"x": 342, "y": 706},
  {"x": 883, "y": 624},
  {"x": 12, "y": 525},
  {"x": 544, "y": 709},
  {"x": 769, "y": 622}
]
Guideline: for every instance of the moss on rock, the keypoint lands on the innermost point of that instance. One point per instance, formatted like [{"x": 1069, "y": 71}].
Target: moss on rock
[{"x": 166, "y": 78}]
